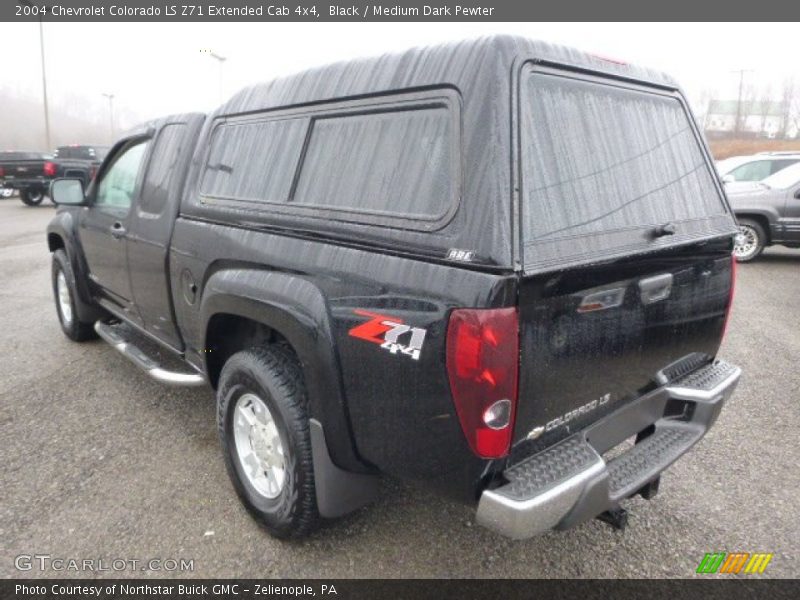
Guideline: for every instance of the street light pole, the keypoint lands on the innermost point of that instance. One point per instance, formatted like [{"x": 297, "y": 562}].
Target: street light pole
[
  {"x": 221, "y": 60},
  {"x": 44, "y": 88},
  {"x": 110, "y": 114},
  {"x": 29, "y": 4}
]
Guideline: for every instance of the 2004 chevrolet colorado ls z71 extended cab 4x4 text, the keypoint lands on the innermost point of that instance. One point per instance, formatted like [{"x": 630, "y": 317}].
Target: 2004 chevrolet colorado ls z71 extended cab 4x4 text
[{"x": 482, "y": 266}]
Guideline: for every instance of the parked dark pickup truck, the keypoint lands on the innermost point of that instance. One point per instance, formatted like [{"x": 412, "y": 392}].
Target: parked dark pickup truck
[
  {"x": 28, "y": 172},
  {"x": 79, "y": 161},
  {"x": 482, "y": 266},
  {"x": 768, "y": 212},
  {"x": 32, "y": 172}
]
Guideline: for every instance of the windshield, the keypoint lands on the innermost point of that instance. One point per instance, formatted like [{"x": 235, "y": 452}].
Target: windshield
[
  {"x": 785, "y": 178},
  {"x": 603, "y": 166},
  {"x": 727, "y": 165}
]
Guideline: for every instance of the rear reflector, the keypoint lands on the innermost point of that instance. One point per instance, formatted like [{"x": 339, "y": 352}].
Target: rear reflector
[
  {"x": 483, "y": 367},
  {"x": 730, "y": 296}
]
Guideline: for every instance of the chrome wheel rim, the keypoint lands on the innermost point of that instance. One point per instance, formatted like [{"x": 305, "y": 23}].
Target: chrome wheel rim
[
  {"x": 64, "y": 302},
  {"x": 258, "y": 445},
  {"x": 746, "y": 242}
]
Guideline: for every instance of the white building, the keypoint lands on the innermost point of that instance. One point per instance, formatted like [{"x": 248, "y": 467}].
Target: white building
[{"x": 764, "y": 119}]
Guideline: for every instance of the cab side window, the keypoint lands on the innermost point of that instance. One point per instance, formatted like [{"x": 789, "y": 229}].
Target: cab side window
[{"x": 118, "y": 185}]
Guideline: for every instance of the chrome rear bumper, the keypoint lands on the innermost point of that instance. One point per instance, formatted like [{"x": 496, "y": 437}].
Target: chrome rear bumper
[{"x": 570, "y": 482}]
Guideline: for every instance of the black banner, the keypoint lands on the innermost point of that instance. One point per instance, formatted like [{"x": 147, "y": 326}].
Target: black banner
[
  {"x": 393, "y": 10},
  {"x": 416, "y": 589}
]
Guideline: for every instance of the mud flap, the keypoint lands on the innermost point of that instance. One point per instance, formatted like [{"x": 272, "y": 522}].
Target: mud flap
[{"x": 338, "y": 492}]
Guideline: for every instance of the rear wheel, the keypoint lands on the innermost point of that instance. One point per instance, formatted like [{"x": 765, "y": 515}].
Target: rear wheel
[
  {"x": 263, "y": 427},
  {"x": 31, "y": 197},
  {"x": 750, "y": 240},
  {"x": 65, "y": 292}
]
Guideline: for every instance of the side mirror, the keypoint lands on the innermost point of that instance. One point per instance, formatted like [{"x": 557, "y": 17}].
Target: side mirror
[{"x": 68, "y": 192}]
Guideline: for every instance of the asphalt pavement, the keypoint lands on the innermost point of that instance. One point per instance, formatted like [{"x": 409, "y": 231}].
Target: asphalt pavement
[{"x": 99, "y": 462}]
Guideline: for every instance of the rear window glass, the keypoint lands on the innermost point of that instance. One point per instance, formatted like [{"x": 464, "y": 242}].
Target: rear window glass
[
  {"x": 254, "y": 161},
  {"x": 604, "y": 165},
  {"x": 396, "y": 163}
]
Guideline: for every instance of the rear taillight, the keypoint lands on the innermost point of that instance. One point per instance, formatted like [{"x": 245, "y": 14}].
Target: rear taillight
[
  {"x": 92, "y": 173},
  {"x": 730, "y": 296},
  {"x": 2, "y": 172},
  {"x": 483, "y": 367},
  {"x": 49, "y": 169}
]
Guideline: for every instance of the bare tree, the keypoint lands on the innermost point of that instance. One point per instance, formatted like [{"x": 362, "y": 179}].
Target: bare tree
[
  {"x": 788, "y": 90},
  {"x": 794, "y": 114},
  {"x": 703, "y": 106},
  {"x": 764, "y": 105},
  {"x": 749, "y": 101}
]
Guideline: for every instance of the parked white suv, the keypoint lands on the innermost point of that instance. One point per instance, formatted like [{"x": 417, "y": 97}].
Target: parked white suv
[{"x": 755, "y": 167}]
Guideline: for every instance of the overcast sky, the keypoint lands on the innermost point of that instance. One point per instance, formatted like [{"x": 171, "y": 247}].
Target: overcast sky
[{"x": 155, "y": 69}]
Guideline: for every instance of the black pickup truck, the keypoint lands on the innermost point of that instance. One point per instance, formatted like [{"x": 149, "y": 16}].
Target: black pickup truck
[
  {"x": 483, "y": 266},
  {"x": 32, "y": 172}
]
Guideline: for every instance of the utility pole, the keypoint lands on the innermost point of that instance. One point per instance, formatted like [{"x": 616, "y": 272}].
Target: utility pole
[
  {"x": 110, "y": 114},
  {"x": 29, "y": 4},
  {"x": 738, "y": 124},
  {"x": 221, "y": 60}
]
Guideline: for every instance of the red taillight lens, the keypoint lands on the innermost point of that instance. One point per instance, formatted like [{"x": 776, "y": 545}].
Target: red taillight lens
[
  {"x": 49, "y": 169},
  {"x": 483, "y": 367},
  {"x": 2, "y": 172},
  {"x": 92, "y": 173},
  {"x": 730, "y": 296}
]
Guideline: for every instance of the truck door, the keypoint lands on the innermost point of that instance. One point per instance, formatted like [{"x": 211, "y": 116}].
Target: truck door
[
  {"x": 104, "y": 226},
  {"x": 152, "y": 220}
]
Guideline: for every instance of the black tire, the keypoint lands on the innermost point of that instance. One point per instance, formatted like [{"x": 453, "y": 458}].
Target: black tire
[
  {"x": 274, "y": 376},
  {"x": 73, "y": 328},
  {"x": 31, "y": 197},
  {"x": 751, "y": 241}
]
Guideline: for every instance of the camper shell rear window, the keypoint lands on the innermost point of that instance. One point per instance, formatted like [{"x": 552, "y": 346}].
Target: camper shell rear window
[{"x": 603, "y": 165}]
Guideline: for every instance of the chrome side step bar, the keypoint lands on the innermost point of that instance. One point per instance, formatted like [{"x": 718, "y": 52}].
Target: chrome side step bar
[{"x": 144, "y": 362}]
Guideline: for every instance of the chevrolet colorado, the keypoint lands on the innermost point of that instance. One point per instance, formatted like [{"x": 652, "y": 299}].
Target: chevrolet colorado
[{"x": 486, "y": 266}]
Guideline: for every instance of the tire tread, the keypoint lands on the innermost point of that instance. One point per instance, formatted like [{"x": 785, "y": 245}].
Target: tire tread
[{"x": 279, "y": 364}]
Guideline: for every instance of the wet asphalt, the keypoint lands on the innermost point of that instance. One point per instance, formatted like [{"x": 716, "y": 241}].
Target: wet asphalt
[{"x": 99, "y": 462}]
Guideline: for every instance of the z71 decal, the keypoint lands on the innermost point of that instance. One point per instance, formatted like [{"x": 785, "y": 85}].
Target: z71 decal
[{"x": 387, "y": 332}]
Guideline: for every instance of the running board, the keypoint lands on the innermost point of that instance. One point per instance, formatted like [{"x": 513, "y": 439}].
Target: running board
[{"x": 143, "y": 361}]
